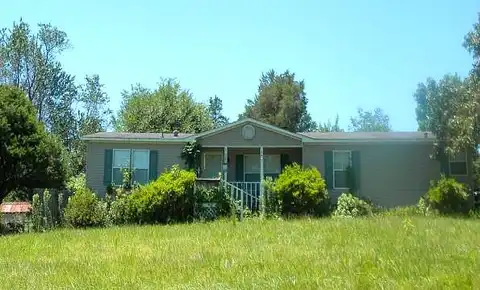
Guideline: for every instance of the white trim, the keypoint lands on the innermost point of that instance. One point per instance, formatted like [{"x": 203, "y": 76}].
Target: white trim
[
  {"x": 333, "y": 166},
  {"x": 212, "y": 153},
  {"x": 252, "y": 146},
  {"x": 255, "y": 122},
  {"x": 466, "y": 165},
  {"x": 130, "y": 165}
]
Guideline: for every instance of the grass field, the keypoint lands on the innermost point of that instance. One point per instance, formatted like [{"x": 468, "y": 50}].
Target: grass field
[{"x": 376, "y": 253}]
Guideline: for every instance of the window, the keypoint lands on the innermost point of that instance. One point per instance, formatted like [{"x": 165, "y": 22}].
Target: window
[
  {"x": 212, "y": 164},
  {"x": 341, "y": 161},
  {"x": 458, "y": 164},
  {"x": 138, "y": 160},
  {"x": 271, "y": 166}
]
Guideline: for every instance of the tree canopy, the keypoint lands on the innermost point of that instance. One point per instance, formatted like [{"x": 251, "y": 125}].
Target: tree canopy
[
  {"x": 329, "y": 127},
  {"x": 166, "y": 109},
  {"x": 367, "y": 121},
  {"x": 281, "y": 101},
  {"x": 29, "y": 156},
  {"x": 215, "y": 108}
]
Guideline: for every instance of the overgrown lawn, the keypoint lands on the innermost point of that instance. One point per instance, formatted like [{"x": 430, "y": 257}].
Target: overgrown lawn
[{"x": 378, "y": 253}]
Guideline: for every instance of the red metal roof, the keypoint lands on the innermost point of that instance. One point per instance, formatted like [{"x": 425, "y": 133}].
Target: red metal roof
[{"x": 15, "y": 207}]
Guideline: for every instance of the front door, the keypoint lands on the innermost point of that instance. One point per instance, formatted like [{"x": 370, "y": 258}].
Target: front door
[{"x": 212, "y": 164}]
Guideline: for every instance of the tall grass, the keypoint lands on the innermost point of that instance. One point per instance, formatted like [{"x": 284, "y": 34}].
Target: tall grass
[{"x": 379, "y": 253}]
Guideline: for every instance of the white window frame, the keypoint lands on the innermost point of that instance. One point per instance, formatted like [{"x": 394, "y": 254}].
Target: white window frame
[
  {"x": 333, "y": 166},
  {"x": 130, "y": 151},
  {"x": 466, "y": 165},
  {"x": 213, "y": 153},
  {"x": 245, "y": 172}
]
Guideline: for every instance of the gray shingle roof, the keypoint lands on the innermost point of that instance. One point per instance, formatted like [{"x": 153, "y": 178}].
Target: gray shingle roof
[
  {"x": 370, "y": 135},
  {"x": 130, "y": 136}
]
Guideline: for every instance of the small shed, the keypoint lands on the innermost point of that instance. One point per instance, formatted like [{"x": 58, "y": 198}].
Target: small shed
[{"x": 15, "y": 212}]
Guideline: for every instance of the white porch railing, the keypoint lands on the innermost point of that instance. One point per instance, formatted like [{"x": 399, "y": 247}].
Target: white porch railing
[
  {"x": 247, "y": 194},
  {"x": 252, "y": 193}
]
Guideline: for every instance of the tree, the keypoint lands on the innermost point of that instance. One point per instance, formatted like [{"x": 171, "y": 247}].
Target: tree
[
  {"x": 30, "y": 62},
  {"x": 94, "y": 115},
  {"x": 447, "y": 108},
  {"x": 366, "y": 121},
  {"x": 329, "y": 127},
  {"x": 281, "y": 101},
  {"x": 29, "y": 156},
  {"x": 165, "y": 109},
  {"x": 215, "y": 107}
]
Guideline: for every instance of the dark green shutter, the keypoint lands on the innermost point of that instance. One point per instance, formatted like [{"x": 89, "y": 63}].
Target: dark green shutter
[
  {"x": 356, "y": 171},
  {"x": 239, "y": 167},
  {"x": 284, "y": 161},
  {"x": 107, "y": 167},
  {"x": 328, "y": 156},
  {"x": 153, "y": 165}
]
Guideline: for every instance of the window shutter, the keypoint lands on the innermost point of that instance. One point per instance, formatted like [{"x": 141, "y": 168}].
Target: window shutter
[
  {"x": 356, "y": 171},
  {"x": 107, "y": 167},
  {"x": 328, "y": 158},
  {"x": 239, "y": 167},
  {"x": 284, "y": 161},
  {"x": 153, "y": 165}
]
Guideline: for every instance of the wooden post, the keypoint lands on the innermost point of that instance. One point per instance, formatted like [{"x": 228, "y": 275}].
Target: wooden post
[
  {"x": 225, "y": 166},
  {"x": 261, "y": 180}
]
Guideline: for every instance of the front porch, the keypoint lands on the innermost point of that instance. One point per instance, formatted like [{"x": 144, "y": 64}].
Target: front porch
[{"x": 245, "y": 167}]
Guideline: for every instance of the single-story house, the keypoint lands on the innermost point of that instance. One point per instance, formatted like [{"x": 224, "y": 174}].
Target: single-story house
[{"x": 390, "y": 168}]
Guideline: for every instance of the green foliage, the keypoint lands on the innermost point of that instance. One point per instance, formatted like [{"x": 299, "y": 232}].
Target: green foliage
[
  {"x": 215, "y": 108},
  {"x": 30, "y": 157},
  {"x": 281, "y": 101},
  {"x": 329, "y": 127},
  {"x": 216, "y": 195},
  {"x": 272, "y": 202},
  {"x": 301, "y": 191},
  {"x": 48, "y": 215},
  {"x": 166, "y": 109},
  {"x": 376, "y": 121},
  {"x": 349, "y": 205},
  {"x": 169, "y": 198},
  {"x": 191, "y": 154},
  {"x": 37, "y": 213},
  {"x": 448, "y": 196},
  {"x": 84, "y": 208}
]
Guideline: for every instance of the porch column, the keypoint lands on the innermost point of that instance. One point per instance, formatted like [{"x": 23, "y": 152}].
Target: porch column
[
  {"x": 225, "y": 165},
  {"x": 261, "y": 179}
]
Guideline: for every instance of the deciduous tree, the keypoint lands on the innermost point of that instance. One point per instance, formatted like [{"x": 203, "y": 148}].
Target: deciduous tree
[{"x": 366, "y": 121}]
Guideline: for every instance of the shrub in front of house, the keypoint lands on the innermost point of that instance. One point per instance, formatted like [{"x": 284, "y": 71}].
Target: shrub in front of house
[
  {"x": 169, "y": 198},
  {"x": 215, "y": 196},
  {"x": 84, "y": 208},
  {"x": 300, "y": 191},
  {"x": 349, "y": 205},
  {"x": 448, "y": 196}
]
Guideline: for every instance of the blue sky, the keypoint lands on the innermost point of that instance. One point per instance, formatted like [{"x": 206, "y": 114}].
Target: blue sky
[{"x": 350, "y": 53}]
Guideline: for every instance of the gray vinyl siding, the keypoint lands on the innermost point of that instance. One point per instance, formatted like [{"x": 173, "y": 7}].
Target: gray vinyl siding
[
  {"x": 168, "y": 155},
  {"x": 263, "y": 137},
  {"x": 390, "y": 174}
]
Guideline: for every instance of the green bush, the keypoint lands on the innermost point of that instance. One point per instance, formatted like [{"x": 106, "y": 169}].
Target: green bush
[
  {"x": 352, "y": 206},
  {"x": 448, "y": 196},
  {"x": 84, "y": 209},
  {"x": 169, "y": 198},
  {"x": 217, "y": 195},
  {"x": 300, "y": 191}
]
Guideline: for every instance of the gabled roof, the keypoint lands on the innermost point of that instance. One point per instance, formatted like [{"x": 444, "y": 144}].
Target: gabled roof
[
  {"x": 255, "y": 122},
  {"x": 369, "y": 136},
  {"x": 139, "y": 137}
]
